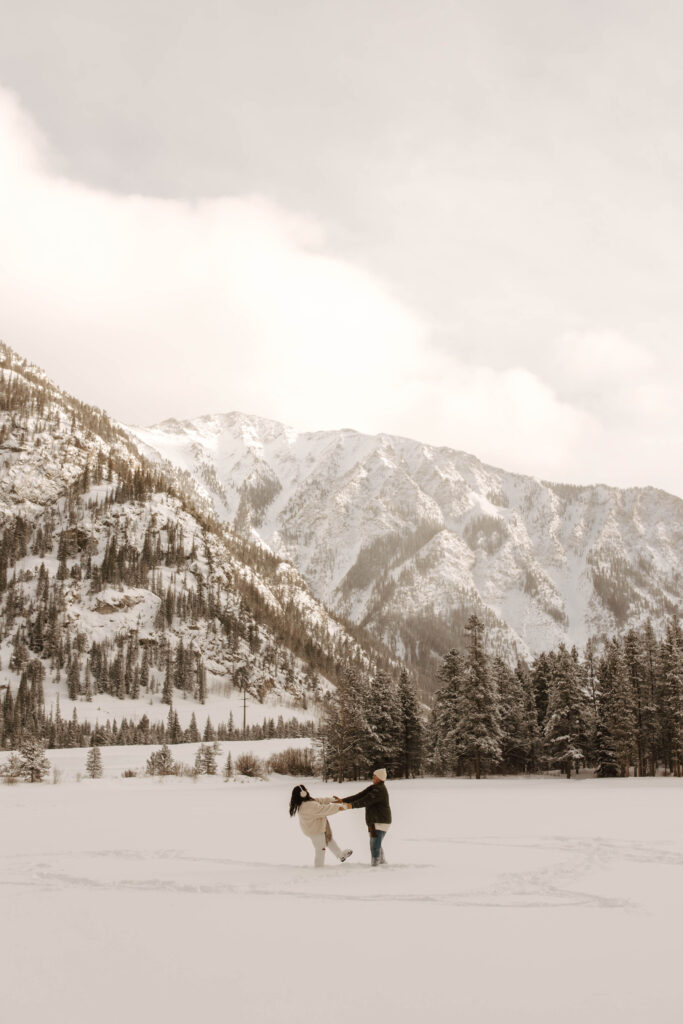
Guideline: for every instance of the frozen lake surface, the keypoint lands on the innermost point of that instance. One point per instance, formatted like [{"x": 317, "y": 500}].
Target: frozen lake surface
[{"x": 174, "y": 900}]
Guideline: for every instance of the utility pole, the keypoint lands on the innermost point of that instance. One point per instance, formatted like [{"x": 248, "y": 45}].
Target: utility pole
[{"x": 244, "y": 713}]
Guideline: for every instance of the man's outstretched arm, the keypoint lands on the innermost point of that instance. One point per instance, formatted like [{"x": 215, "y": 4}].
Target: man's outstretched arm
[{"x": 364, "y": 798}]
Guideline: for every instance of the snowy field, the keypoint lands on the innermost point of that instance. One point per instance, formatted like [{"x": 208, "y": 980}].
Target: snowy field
[
  {"x": 69, "y": 762},
  {"x": 172, "y": 900}
]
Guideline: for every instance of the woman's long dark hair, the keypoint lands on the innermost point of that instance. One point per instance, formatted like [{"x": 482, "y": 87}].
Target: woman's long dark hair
[{"x": 299, "y": 795}]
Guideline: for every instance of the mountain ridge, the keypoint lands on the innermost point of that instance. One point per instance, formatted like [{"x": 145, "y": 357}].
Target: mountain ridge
[
  {"x": 362, "y": 515},
  {"x": 255, "y": 420}
]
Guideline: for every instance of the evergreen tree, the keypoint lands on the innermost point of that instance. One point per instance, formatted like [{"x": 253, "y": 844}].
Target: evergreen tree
[
  {"x": 519, "y": 723},
  {"x": 205, "y": 759},
  {"x": 210, "y": 759},
  {"x": 175, "y": 732},
  {"x": 564, "y": 723},
  {"x": 384, "y": 725},
  {"x": 93, "y": 763},
  {"x": 34, "y": 763},
  {"x": 144, "y": 669},
  {"x": 345, "y": 733},
  {"x": 607, "y": 763},
  {"x": 74, "y": 679},
  {"x": 200, "y": 673},
  {"x": 410, "y": 728},
  {"x": 590, "y": 669},
  {"x": 671, "y": 689},
  {"x": 180, "y": 668},
  {"x": 167, "y": 691},
  {"x": 88, "y": 683},
  {"x": 530, "y": 728},
  {"x": 478, "y": 732},
  {"x": 135, "y": 683},
  {"x": 199, "y": 762},
  {"x": 618, "y": 706},
  {"x": 644, "y": 704},
  {"x": 540, "y": 674},
  {"x": 161, "y": 762},
  {"x": 443, "y": 755},
  {"x": 652, "y": 725},
  {"x": 170, "y": 723}
]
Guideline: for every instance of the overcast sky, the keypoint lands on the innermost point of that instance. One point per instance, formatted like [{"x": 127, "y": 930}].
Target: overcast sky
[{"x": 457, "y": 221}]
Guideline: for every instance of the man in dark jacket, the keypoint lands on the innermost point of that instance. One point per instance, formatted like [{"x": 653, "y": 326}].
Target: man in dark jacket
[{"x": 375, "y": 800}]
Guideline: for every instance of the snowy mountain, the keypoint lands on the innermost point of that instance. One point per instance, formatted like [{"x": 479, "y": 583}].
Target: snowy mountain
[
  {"x": 406, "y": 539},
  {"x": 122, "y": 594}
]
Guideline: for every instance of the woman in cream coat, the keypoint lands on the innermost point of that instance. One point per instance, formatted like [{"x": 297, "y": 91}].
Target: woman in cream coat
[{"x": 313, "y": 816}]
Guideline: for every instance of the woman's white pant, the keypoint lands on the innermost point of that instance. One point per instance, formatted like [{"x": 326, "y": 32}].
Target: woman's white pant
[{"x": 321, "y": 844}]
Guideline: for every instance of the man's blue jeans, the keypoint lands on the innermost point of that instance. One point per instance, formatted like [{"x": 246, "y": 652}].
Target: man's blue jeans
[{"x": 376, "y": 847}]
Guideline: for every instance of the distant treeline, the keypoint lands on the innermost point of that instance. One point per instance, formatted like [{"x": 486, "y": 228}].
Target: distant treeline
[{"x": 23, "y": 717}]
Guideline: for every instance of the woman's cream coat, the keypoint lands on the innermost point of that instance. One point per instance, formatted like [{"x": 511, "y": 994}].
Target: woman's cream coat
[{"x": 313, "y": 815}]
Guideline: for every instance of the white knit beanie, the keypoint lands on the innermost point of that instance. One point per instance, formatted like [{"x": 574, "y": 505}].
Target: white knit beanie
[{"x": 380, "y": 773}]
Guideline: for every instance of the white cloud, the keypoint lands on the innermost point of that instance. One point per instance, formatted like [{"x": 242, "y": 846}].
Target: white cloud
[
  {"x": 235, "y": 291},
  {"x": 592, "y": 357},
  {"x": 155, "y": 308}
]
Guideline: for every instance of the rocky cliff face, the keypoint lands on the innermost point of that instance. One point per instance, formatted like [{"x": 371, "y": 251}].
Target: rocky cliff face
[{"x": 407, "y": 539}]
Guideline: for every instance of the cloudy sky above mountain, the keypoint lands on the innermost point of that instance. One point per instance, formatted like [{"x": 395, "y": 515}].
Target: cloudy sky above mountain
[{"x": 461, "y": 222}]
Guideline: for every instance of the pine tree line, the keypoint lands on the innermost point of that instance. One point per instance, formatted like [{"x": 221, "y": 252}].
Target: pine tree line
[
  {"x": 23, "y": 718},
  {"x": 617, "y": 709},
  {"x": 370, "y": 723}
]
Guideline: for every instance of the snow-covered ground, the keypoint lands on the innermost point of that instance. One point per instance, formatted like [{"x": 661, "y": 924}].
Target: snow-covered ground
[{"x": 504, "y": 900}]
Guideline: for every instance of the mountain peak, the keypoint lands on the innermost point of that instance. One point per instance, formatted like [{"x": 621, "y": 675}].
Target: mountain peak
[{"x": 406, "y": 537}]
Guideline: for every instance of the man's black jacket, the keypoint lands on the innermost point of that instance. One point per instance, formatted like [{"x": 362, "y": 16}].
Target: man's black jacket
[{"x": 375, "y": 800}]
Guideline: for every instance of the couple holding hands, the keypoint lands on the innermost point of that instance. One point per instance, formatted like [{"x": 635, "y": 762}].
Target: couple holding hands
[{"x": 313, "y": 814}]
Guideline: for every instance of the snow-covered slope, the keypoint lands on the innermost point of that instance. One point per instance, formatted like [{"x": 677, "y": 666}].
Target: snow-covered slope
[
  {"x": 116, "y": 583},
  {"x": 407, "y": 539}
]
